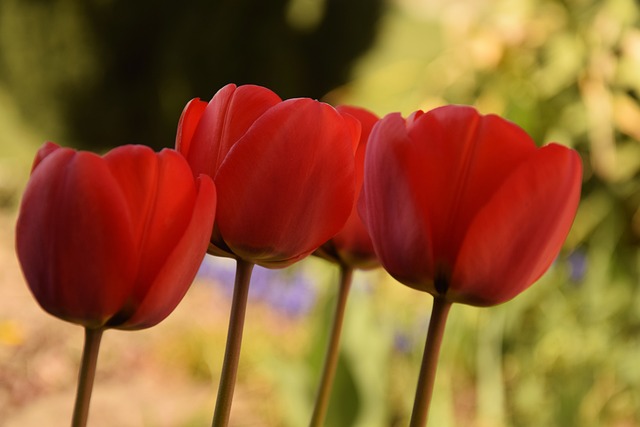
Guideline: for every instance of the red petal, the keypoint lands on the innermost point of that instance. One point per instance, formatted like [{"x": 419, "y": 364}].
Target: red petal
[
  {"x": 161, "y": 193},
  {"x": 367, "y": 121},
  {"x": 174, "y": 195},
  {"x": 288, "y": 185},
  {"x": 227, "y": 117},
  {"x": 135, "y": 169},
  {"x": 74, "y": 240},
  {"x": 466, "y": 158},
  {"x": 394, "y": 205},
  {"x": 180, "y": 267},
  {"x": 189, "y": 120},
  {"x": 203, "y": 150},
  {"x": 517, "y": 235},
  {"x": 351, "y": 120},
  {"x": 46, "y": 149},
  {"x": 353, "y": 243}
]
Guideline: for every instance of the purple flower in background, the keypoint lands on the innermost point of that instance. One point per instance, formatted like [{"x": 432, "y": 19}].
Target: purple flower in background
[
  {"x": 577, "y": 262},
  {"x": 403, "y": 343},
  {"x": 224, "y": 273},
  {"x": 288, "y": 291}
]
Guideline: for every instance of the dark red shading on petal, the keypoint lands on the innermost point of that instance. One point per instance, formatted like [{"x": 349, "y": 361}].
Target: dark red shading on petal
[
  {"x": 287, "y": 185},
  {"x": 394, "y": 205},
  {"x": 516, "y": 236},
  {"x": 74, "y": 244}
]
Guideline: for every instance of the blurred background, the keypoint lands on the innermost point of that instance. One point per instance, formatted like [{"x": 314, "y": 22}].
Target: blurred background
[{"x": 98, "y": 73}]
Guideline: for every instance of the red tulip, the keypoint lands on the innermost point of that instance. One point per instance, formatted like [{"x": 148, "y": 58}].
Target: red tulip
[
  {"x": 465, "y": 206},
  {"x": 113, "y": 241},
  {"x": 284, "y": 171},
  {"x": 352, "y": 246}
]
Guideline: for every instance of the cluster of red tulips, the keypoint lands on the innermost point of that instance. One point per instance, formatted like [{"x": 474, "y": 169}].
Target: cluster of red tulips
[{"x": 461, "y": 205}]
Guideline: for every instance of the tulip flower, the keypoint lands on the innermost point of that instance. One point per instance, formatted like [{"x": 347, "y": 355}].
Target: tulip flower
[
  {"x": 350, "y": 248},
  {"x": 465, "y": 207},
  {"x": 113, "y": 241},
  {"x": 284, "y": 171}
]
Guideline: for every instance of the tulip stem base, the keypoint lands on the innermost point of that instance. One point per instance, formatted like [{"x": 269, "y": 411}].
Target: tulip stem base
[
  {"x": 424, "y": 391},
  {"x": 331, "y": 357},
  {"x": 92, "y": 338},
  {"x": 234, "y": 342}
]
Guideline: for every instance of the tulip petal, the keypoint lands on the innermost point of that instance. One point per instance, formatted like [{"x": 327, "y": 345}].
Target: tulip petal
[
  {"x": 226, "y": 118},
  {"x": 287, "y": 186},
  {"x": 367, "y": 121},
  {"x": 188, "y": 123},
  {"x": 394, "y": 206},
  {"x": 352, "y": 244},
  {"x": 135, "y": 169},
  {"x": 46, "y": 149},
  {"x": 75, "y": 246},
  {"x": 161, "y": 194},
  {"x": 181, "y": 265},
  {"x": 353, "y": 124},
  {"x": 515, "y": 237},
  {"x": 467, "y": 157}
]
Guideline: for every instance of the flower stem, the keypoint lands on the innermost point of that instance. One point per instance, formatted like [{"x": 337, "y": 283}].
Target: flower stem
[
  {"x": 234, "y": 342},
  {"x": 331, "y": 357},
  {"x": 427, "y": 376},
  {"x": 92, "y": 339}
]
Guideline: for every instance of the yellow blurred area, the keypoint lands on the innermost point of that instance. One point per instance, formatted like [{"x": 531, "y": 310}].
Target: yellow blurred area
[{"x": 11, "y": 333}]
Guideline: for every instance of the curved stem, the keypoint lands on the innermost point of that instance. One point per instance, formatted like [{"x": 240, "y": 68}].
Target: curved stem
[
  {"x": 92, "y": 338},
  {"x": 427, "y": 376},
  {"x": 234, "y": 342},
  {"x": 331, "y": 357}
]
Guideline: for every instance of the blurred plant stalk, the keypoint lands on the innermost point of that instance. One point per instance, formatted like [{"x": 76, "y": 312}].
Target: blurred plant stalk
[
  {"x": 333, "y": 349},
  {"x": 427, "y": 376},
  {"x": 92, "y": 338},
  {"x": 234, "y": 343}
]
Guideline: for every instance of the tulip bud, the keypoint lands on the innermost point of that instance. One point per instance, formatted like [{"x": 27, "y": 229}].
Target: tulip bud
[
  {"x": 465, "y": 206},
  {"x": 284, "y": 171},
  {"x": 113, "y": 241},
  {"x": 352, "y": 245}
]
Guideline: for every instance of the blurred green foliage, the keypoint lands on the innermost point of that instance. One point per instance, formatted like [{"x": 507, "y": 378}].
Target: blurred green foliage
[{"x": 564, "y": 353}]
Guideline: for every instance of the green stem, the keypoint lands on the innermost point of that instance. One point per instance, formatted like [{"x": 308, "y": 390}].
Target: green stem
[
  {"x": 87, "y": 374},
  {"x": 427, "y": 376},
  {"x": 234, "y": 342},
  {"x": 331, "y": 357}
]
